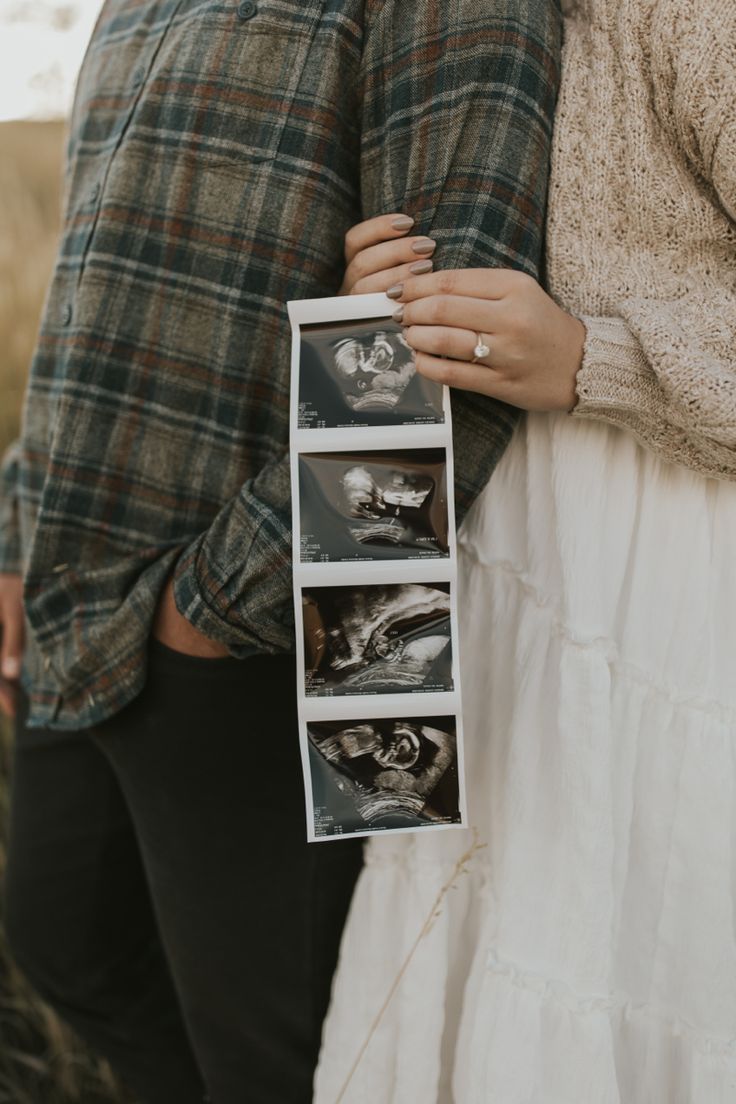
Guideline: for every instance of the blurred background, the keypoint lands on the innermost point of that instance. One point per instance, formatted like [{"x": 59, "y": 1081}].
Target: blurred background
[{"x": 41, "y": 47}]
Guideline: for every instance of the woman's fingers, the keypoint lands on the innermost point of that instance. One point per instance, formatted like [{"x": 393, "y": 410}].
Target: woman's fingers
[
  {"x": 535, "y": 348},
  {"x": 381, "y": 281},
  {"x": 388, "y": 255},
  {"x": 453, "y": 311},
  {"x": 373, "y": 231},
  {"x": 443, "y": 341},
  {"x": 477, "y": 283}
]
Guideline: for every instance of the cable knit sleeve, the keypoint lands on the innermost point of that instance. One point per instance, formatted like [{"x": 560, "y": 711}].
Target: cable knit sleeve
[
  {"x": 666, "y": 368},
  {"x": 663, "y": 374}
]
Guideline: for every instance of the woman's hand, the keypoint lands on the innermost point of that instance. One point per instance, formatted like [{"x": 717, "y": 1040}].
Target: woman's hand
[
  {"x": 533, "y": 348},
  {"x": 381, "y": 252}
]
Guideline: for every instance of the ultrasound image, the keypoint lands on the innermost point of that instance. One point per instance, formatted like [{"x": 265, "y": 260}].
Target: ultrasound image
[
  {"x": 373, "y": 505},
  {"x": 383, "y": 774},
  {"x": 362, "y": 374},
  {"x": 386, "y": 639}
]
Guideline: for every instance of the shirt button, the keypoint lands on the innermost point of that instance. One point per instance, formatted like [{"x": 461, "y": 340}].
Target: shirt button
[
  {"x": 138, "y": 76},
  {"x": 66, "y": 314},
  {"x": 247, "y": 9},
  {"x": 94, "y": 192}
]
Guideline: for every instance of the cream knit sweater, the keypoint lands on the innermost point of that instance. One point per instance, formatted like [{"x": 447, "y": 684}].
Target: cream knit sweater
[{"x": 642, "y": 220}]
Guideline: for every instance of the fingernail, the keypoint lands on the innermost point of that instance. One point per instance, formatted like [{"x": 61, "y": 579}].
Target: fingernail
[
  {"x": 403, "y": 222},
  {"x": 398, "y": 315},
  {"x": 421, "y": 266},
  {"x": 424, "y": 245},
  {"x": 11, "y": 667},
  {"x": 396, "y": 291}
]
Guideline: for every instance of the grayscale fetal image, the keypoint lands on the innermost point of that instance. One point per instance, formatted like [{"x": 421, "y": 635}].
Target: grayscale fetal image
[
  {"x": 377, "y": 639},
  {"x": 373, "y": 505},
  {"x": 378, "y": 774},
  {"x": 362, "y": 374}
]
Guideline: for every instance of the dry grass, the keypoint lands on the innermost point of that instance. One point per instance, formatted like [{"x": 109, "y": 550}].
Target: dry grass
[
  {"x": 30, "y": 176},
  {"x": 40, "y": 1062}
]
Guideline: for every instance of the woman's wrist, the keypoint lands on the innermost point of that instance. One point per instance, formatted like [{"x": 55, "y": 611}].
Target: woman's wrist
[{"x": 575, "y": 353}]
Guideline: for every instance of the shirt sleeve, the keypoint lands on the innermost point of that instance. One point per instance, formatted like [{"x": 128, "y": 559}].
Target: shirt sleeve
[
  {"x": 457, "y": 126},
  {"x": 458, "y": 102},
  {"x": 10, "y": 554},
  {"x": 234, "y": 582}
]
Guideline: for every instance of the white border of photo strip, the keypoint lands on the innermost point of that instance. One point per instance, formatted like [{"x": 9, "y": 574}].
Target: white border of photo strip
[{"x": 434, "y": 570}]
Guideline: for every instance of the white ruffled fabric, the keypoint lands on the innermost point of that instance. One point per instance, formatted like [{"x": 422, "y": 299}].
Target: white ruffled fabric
[{"x": 588, "y": 955}]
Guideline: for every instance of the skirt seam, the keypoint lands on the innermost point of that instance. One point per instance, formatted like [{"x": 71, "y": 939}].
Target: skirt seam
[
  {"x": 607, "y": 648},
  {"x": 564, "y": 996}
]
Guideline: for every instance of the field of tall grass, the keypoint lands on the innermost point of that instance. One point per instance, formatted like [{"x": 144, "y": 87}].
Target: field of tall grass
[
  {"x": 40, "y": 1061},
  {"x": 30, "y": 185}
]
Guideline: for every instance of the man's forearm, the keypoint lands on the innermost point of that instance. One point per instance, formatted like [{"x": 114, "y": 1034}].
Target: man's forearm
[
  {"x": 458, "y": 107},
  {"x": 233, "y": 583},
  {"x": 460, "y": 140}
]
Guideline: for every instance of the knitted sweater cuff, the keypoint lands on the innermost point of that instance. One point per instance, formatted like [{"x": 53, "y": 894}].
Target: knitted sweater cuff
[
  {"x": 614, "y": 377},
  {"x": 616, "y": 384}
]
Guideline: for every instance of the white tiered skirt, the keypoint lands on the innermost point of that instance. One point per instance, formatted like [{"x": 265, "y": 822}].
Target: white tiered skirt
[{"x": 588, "y": 953}]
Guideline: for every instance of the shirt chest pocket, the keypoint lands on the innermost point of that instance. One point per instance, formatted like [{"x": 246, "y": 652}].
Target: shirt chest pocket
[{"x": 226, "y": 76}]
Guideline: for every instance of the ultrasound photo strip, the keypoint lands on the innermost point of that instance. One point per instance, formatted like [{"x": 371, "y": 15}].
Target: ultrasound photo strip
[{"x": 375, "y": 576}]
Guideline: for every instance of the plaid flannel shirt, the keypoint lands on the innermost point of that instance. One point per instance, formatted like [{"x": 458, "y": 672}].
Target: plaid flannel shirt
[{"x": 219, "y": 150}]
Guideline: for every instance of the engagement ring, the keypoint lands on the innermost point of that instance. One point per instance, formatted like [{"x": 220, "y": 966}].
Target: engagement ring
[{"x": 481, "y": 350}]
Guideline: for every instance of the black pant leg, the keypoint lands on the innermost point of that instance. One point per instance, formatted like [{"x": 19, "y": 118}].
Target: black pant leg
[
  {"x": 250, "y": 914},
  {"x": 79, "y": 918}
]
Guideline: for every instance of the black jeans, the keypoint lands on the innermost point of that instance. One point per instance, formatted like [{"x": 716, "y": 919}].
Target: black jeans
[{"x": 160, "y": 893}]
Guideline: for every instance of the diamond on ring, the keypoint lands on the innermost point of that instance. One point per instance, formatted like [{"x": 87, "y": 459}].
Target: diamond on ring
[{"x": 481, "y": 349}]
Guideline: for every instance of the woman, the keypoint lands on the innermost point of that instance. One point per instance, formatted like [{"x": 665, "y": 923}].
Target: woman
[{"x": 588, "y": 954}]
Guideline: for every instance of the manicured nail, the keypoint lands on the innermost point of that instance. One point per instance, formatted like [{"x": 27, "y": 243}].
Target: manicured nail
[
  {"x": 398, "y": 315},
  {"x": 424, "y": 245},
  {"x": 396, "y": 291},
  {"x": 403, "y": 222},
  {"x": 421, "y": 266},
  {"x": 11, "y": 667}
]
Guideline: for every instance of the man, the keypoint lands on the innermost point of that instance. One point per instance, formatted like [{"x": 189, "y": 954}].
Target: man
[{"x": 160, "y": 892}]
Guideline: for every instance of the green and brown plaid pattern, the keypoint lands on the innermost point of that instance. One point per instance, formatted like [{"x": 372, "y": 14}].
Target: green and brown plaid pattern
[{"x": 219, "y": 150}]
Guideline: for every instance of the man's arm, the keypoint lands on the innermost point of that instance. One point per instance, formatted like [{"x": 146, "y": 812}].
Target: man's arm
[
  {"x": 457, "y": 129},
  {"x": 458, "y": 107},
  {"x": 234, "y": 583},
  {"x": 457, "y": 123}
]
